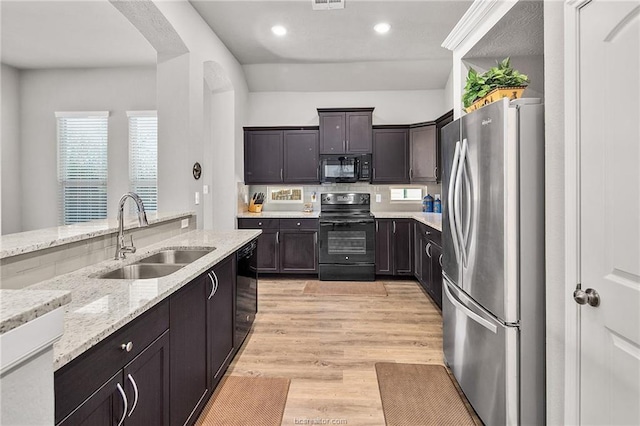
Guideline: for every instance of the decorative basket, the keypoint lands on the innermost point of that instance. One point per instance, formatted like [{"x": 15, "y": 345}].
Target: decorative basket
[{"x": 496, "y": 94}]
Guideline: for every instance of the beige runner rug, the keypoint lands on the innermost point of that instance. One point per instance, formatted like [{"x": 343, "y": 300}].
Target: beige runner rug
[
  {"x": 241, "y": 401},
  {"x": 420, "y": 394},
  {"x": 344, "y": 288}
]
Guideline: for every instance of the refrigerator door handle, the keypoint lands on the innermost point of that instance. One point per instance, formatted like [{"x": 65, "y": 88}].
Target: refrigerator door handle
[
  {"x": 472, "y": 315},
  {"x": 457, "y": 209},
  {"x": 467, "y": 192},
  {"x": 451, "y": 200}
]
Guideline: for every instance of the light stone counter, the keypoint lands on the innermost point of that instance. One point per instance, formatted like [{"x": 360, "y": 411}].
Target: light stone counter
[
  {"x": 279, "y": 215},
  {"x": 433, "y": 220},
  {"x": 101, "y": 306},
  {"x": 25, "y": 242},
  {"x": 17, "y": 307}
]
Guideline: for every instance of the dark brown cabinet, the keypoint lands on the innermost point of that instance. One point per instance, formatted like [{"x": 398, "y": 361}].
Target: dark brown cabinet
[
  {"x": 390, "y": 154},
  {"x": 188, "y": 324},
  {"x": 394, "y": 247},
  {"x": 423, "y": 153},
  {"x": 428, "y": 260},
  {"x": 281, "y": 155},
  {"x": 103, "y": 408},
  {"x": 440, "y": 123},
  {"x": 345, "y": 130},
  {"x": 220, "y": 328},
  {"x": 285, "y": 245}
]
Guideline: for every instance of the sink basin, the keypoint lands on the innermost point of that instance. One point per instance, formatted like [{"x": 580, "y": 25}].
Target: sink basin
[
  {"x": 141, "y": 271},
  {"x": 175, "y": 256}
]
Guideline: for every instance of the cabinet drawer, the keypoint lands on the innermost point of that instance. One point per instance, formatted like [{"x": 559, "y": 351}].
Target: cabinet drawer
[
  {"x": 433, "y": 235},
  {"x": 77, "y": 380},
  {"x": 310, "y": 224},
  {"x": 258, "y": 223}
]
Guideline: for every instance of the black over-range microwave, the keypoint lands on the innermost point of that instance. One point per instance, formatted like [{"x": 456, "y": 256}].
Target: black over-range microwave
[{"x": 345, "y": 168}]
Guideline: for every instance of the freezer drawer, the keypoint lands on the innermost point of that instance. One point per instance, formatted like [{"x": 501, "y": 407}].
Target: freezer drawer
[{"x": 483, "y": 355}]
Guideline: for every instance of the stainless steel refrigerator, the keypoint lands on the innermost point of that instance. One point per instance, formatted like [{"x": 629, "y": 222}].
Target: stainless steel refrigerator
[{"x": 493, "y": 262}]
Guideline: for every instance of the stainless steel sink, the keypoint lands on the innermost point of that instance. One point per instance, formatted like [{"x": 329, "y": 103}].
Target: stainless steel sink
[
  {"x": 172, "y": 256},
  {"x": 141, "y": 271}
]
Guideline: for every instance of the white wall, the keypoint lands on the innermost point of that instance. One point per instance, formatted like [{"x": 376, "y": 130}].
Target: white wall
[
  {"x": 554, "y": 211},
  {"x": 299, "y": 108},
  {"x": 449, "y": 102},
  {"x": 11, "y": 211},
  {"x": 43, "y": 92}
]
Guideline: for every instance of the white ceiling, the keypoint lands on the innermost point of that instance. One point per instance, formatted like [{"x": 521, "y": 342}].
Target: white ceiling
[
  {"x": 409, "y": 57},
  {"x": 70, "y": 34},
  {"x": 323, "y": 50}
]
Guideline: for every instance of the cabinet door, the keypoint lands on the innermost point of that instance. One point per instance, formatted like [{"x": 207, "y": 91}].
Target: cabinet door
[
  {"x": 424, "y": 156},
  {"x": 436, "y": 274},
  {"x": 332, "y": 133},
  {"x": 220, "y": 318},
  {"x": 359, "y": 136},
  {"x": 418, "y": 247},
  {"x": 384, "y": 247},
  {"x": 104, "y": 408},
  {"x": 301, "y": 158},
  {"x": 298, "y": 251},
  {"x": 263, "y": 156},
  {"x": 268, "y": 253},
  {"x": 390, "y": 156},
  {"x": 403, "y": 247},
  {"x": 188, "y": 336},
  {"x": 147, "y": 385},
  {"x": 440, "y": 123}
]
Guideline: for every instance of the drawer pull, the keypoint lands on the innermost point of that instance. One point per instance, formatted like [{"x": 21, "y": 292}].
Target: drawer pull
[
  {"x": 135, "y": 394},
  {"x": 124, "y": 401},
  {"x": 427, "y": 232},
  {"x": 127, "y": 346}
]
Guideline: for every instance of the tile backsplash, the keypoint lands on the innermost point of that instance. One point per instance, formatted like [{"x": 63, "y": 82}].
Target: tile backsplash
[{"x": 385, "y": 204}]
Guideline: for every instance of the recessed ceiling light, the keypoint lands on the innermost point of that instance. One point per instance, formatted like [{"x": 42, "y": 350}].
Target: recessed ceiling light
[
  {"x": 382, "y": 27},
  {"x": 278, "y": 30}
]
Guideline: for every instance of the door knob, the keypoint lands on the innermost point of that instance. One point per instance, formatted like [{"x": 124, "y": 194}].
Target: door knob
[{"x": 588, "y": 296}]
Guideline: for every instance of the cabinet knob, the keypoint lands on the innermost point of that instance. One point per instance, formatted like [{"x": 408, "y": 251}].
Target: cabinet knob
[
  {"x": 298, "y": 223},
  {"x": 127, "y": 346},
  {"x": 259, "y": 223}
]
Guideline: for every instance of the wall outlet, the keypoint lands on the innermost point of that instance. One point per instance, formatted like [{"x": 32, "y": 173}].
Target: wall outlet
[
  {"x": 197, "y": 198},
  {"x": 378, "y": 198},
  {"x": 205, "y": 189},
  {"x": 184, "y": 223}
]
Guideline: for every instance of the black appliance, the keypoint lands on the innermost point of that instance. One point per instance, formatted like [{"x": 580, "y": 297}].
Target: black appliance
[
  {"x": 246, "y": 291},
  {"x": 345, "y": 168},
  {"x": 346, "y": 237}
]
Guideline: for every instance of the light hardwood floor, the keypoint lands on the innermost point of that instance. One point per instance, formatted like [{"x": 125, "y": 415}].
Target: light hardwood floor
[{"x": 328, "y": 346}]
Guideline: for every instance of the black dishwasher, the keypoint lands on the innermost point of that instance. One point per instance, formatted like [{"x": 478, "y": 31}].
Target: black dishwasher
[{"x": 246, "y": 291}]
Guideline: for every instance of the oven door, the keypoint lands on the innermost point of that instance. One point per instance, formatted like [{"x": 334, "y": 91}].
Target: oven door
[
  {"x": 339, "y": 168},
  {"x": 347, "y": 241}
]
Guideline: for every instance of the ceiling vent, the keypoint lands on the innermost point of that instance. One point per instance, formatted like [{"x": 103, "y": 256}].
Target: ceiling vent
[{"x": 327, "y": 4}]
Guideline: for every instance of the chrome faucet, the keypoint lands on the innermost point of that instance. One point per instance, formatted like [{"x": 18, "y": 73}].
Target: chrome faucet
[{"x": 121, "y": 247}]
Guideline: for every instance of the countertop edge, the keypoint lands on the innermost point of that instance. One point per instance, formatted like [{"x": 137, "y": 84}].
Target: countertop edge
[{"x": 51, "y": 300}]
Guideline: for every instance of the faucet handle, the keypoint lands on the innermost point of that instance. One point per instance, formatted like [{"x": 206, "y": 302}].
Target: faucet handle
[{"x": 132, "y": 248}]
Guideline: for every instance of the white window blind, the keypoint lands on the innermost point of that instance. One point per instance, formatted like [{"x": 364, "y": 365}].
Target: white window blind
[
  {"x": 82, "y": 165},
  {"x": 143, "y": 157}
]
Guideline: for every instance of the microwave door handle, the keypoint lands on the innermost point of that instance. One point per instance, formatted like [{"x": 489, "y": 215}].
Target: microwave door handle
[{"x": 451, "y": 200}]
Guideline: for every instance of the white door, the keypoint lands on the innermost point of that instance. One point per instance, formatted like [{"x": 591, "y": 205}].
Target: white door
[{"x": 609, "y": 141}]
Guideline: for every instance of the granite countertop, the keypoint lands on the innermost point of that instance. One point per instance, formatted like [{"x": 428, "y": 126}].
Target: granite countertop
[
  {"x": 99, "y": 307},
  {"x": 25, "y": 242},
  {"x": 18, "y": 307},
  {"x": 433, "y": 220},
  {"x": 281, "y": 214}
]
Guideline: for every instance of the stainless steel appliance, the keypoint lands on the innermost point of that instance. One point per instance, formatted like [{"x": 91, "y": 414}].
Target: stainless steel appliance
[
  {"x": 345, "y": 168},
  {"x": 246, "y": 290},
  {"x": 346, "y": 238},
  {"x": 493, "y": 263}
]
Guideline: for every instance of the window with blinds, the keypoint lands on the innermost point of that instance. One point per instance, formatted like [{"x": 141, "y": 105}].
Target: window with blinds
[
  {"x": 82, "y": 165},
  {"x": 143, "y": 157}
]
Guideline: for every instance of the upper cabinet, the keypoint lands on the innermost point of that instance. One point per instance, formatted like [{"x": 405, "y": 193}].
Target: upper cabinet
[
  {"x": 345, "y": 130},
  {"x": 423, "y": 153},
  {"x": 281, "y": 155},
  {"x": 390, "y": 154}
]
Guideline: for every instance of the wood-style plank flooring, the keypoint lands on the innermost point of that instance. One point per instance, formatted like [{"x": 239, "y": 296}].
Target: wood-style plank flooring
[{"x": 328, "y": 346}]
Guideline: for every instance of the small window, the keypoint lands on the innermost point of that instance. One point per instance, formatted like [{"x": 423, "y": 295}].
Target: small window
[
  {"x": 82, "y": 165},
  {"x": 143, "y": 157},
  {"x": 406, "y": 194}
]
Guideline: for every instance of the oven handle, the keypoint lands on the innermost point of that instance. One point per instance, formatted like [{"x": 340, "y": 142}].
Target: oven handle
[{"x": 344, "y": 222}]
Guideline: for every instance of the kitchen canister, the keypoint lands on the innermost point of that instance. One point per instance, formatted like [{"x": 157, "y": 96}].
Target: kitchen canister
[
  {"x": 427, "y": 204},
  {"x": 437, "y": 204}
]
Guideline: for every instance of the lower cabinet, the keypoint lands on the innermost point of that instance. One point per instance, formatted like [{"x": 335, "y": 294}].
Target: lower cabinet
[
  {"x": 394, "y": 247},
  {"x": 428, "y": 261},
  {"x": 220, "y": 316},
  {"x": 288, "y": 246}
]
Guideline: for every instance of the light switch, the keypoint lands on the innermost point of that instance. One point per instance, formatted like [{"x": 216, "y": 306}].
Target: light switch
[
  {"x": 197, "y": 200},
  {"x": 184, "y": 223},
  {"x": 378, "y": 198}
]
